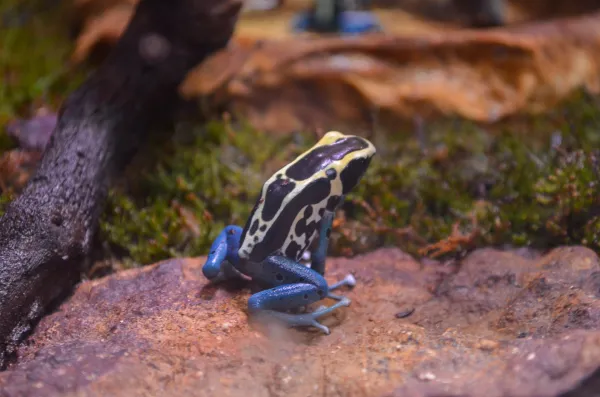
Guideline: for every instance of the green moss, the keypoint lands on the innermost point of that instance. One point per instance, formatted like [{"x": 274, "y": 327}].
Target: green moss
[
  {"x": 5, "y": 199},
  {"x": 453, "y": 188},
  {"x": 502, "y": 186},
  {"x": 34, "y": 50},
  {"x": 6, "y": 142},
  {"x": 208, "y": 180},
  {"x": 511, "y": 185},
  {"x": 528, "y": 181}
]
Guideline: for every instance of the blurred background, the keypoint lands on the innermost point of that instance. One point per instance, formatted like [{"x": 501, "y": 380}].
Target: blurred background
[{"x": 483, "y": 110}]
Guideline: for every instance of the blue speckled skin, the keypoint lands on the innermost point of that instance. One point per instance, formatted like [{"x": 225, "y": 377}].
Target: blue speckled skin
[
  {"x": 351, "y": 23},
  {"x": 292, "y": 284}
]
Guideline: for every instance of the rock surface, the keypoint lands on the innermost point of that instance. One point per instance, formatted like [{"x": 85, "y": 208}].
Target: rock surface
[{"x": 497, "y": 324}]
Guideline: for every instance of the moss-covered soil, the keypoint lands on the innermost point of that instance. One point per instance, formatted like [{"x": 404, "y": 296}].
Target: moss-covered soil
[
  {"x": 440, "y": 190},
  {"x": 34, "y": 49}
]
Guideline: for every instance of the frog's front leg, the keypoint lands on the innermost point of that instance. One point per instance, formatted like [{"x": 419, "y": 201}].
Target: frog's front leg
[
  {"x": 320, "y": 253},
  {"x": 223, "y": 252},
  {"x": 294, "y": 286}
]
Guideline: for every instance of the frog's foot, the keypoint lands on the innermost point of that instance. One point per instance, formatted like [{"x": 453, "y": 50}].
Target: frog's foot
[
  {"x": 218, "y": 266},
  {"x": 294, "y": 286},
  {"x": 227, "y": 272},
  {"x": 349, "y": 280},
  {"x": 308, "y": 319}
]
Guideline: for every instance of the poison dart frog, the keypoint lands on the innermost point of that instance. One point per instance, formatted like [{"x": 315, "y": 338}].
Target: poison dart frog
[{"x": 295, "y": 207}]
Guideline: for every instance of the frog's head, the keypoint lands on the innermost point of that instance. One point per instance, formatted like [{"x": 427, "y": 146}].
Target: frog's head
[
  {"x": 292, "y": 202},
  {"x": 348, "y": 155}
]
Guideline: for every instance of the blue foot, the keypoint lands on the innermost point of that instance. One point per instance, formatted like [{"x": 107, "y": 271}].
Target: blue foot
[
  {"x": 349, "y": 280},
  {"x": 308, "y": 319},
  {"x": 227, "y": 272},
  {"x": 293, "y": 286},
  {"x": 223, "y": 252}
]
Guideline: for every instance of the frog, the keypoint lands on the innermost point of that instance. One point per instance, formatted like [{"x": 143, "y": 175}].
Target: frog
[{"x": 293, "y": 212}]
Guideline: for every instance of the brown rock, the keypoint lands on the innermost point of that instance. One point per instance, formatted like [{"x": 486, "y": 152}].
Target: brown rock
[{"x": 491, "y": 327}]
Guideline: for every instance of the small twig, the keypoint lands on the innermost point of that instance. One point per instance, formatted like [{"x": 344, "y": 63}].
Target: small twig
[{"x": 452, "y": 242}]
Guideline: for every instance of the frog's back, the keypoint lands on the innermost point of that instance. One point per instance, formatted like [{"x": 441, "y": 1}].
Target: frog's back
[{"x": 290, "y": 207}]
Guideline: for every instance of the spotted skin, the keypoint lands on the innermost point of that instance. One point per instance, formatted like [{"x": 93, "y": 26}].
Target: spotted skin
[
  {"x": 277, "y": 191},
  {"x": 295, "y": 207},
  {"x": 317, "y": 178}
]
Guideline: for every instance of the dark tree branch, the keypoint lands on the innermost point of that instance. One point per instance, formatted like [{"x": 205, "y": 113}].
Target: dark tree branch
[{"x": 46, "y": 233}]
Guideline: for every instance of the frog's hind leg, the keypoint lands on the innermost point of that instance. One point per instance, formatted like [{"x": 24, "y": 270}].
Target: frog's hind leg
[
  {"x": 288, "y": 297},
  {"x": 320, "y": 253},
  {"x": 294, "y": 286}
]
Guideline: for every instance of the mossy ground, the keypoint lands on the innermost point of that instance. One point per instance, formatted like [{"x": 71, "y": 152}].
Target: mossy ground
[
  {"x": 35, "y": 46},
  {"x": 34, "y": 49},
  {"x": 443, "y": 190}
]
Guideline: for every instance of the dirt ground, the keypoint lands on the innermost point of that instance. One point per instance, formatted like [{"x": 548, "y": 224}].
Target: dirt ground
[{"x": 496, "y": 324}]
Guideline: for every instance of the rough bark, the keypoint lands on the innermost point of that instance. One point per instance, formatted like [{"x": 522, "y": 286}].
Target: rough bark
[{"x": 46, "y": 233}]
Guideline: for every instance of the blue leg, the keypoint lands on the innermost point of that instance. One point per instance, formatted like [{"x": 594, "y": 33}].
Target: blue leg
[
  {"x": 294, "y": 286},
  {"x": 351, "y": 23},
  {"x": 320, "y": 253},
  {"x": 359, "y": 22},
  {"x": 223, "y": 256},
  {"x": 300, "y": 22}
]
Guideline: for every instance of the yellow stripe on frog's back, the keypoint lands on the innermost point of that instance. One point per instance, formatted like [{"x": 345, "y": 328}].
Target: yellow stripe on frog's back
[{"x": 315, "y": 164}]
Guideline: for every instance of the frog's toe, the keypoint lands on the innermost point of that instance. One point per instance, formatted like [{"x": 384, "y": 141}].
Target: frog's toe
[
  {"x": 339, "y": 298},
  {"x": 322, "y": 327},
  {"x": 308, "y": 319},
  {"x": 226, "y": 272},
  {"x": 298, "y": 320},
  {"x": 349, "y": 280},
  {"x": 323, "y": 310},
  {"x": 220, "y": 277}
]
